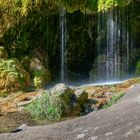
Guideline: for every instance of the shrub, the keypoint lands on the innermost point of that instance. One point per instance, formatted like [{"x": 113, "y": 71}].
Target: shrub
[
  {"x": 41, "y": 77},
  {"x": 12, "y": 76},
  {"x": 38, "y": 82},
  {"x": 48, "y": 107}
]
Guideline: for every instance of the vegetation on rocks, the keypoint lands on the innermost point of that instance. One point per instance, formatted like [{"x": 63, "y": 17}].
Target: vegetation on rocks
[
  {"x": 48, "y": 107},
  {"x": 41, "y": 77},
  {"x": 13, "y": 76},
  {"x": 99, "y": 96},
  {"x": 60, "y": 102}
]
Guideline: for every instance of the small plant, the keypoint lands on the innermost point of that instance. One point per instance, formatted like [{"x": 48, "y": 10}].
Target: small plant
[
  {"x": 48, "y": 107},
  {"x": 38, "y": 82},
  {"x": 40, "y": 78},
  {"x": 113, "y": 100}
]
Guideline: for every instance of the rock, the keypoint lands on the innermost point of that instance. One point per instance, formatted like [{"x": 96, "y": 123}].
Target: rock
[
  {"x": 81, "y": 136},
  {"x": 40, "y": 73},
  {"x": 60, "y": 88},
  {"x": 93, "y": 138},
  {"x": 81, "y": 96},
  {"x": 108, "y": 134},
  {"x": 76, "y": 109},
  {"x": 20, "y": 128},
  {"x": 67, "y": 95},
  {"x": 64, "y": 92},
  {"x": 75, "y": 125},
  {"x": 35, "y": 64}
]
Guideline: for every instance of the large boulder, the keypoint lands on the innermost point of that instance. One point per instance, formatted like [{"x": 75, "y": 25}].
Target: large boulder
[
  {"x": 81, "y": 96},
  {"x": 64, "y": 92}
]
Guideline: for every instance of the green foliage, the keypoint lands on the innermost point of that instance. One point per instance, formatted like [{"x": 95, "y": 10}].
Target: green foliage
[
  {"x": 24, "y": 21},
  {"x": 114, "y": 99},
  {"x": 38, "y": 73},
  {"x": 138, "y": 68},
  {"x": 41, "y": 77},
  {"x": 12, "y": 76},
  {"x": 104, "y": 5},
  {"x": 38, "y": 82},
  {"x": 48, "y": 107}
]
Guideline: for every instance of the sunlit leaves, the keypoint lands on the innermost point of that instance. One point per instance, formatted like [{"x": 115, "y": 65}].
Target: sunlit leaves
[{"x": 104, "y": 5}]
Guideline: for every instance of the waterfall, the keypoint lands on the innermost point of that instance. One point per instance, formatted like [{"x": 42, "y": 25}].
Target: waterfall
[
  {"x": 113, "y": 30},
  {"x": 110, "y": 45},
  {"x": 63, "y": 41}
]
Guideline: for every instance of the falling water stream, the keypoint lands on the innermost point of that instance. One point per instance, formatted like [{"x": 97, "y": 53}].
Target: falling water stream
[
  {"x": 63, "y": 45},
  {"x": 113, "y": 30},
  {"x": 114, "y": 45}
]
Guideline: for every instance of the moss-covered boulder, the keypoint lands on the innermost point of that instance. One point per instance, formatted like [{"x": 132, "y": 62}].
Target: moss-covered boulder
[
  {"x": 81, "y": 96},
  {"x": 64, "y": 92},
  {"x": 50, "y": 107},
  {"x": 13, "y": 76},
  {"x": 3, "y": 53}
]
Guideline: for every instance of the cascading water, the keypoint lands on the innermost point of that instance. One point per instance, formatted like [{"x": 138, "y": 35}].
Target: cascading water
[
  {"x": 63, "y": 41},
  {"x": 113, "y": 44},
  {"x": 110, "y": 62}
]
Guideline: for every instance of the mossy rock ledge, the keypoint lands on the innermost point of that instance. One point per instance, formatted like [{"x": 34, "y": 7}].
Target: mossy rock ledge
[{"x": 64, "y": 92}]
